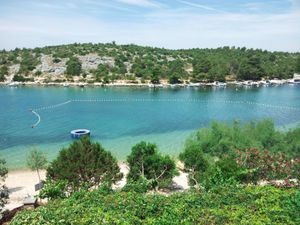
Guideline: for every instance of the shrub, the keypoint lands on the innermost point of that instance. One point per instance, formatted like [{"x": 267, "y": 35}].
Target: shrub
[
  {"x": 225, "y": 205},
  {"x": 222, "y": 139},
  {"x": 145, "y": 162},
  {"x": 3, "y": 189},
  {"x": 266, "y": 165},
  {"x": 73, "y": 66},
  {"x": 20, "y": 78},
  {"x": 36, "y": 160},
  {"x": 54, "y": 190},
  {"x": 56, "y": 60},
  {"x": 3, "y": 72},
  {"x": 28, "y": 63},
  {"x": 84, "y": 164},
  {"x": 195, "y": 163}
]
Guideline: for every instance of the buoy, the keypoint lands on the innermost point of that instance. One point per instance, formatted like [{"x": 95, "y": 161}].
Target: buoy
[{"x": 76, "y": 134}]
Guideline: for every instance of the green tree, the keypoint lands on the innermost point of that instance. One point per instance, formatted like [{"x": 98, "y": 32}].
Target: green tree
[
  {"x": 3, "y": 189},
  {"x": 147, "y": 163},
  {"x": 298, "y": 65},
  {"x": 74, "y": 66},
  {"x": 154, "y": 79},
  {"x": 174, "y": 79},
  {"x": 201, "y": 65},
  {"x": 102, "y": 71},
  {"x": 36, "y": 160},
  {"x": 195, "y": 163},
  {"x": 3, "y": 72},
  {"x": 225, "y": 172},
  {"x": 251, "y": 69},
  {"x": 84, "y": 164},
  {"x": 28, "y": 63}
]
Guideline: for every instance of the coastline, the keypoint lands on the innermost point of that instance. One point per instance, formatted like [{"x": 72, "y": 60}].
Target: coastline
[
  {"x": 21, "y": 183},
  {"x": 163, "y": 84}
]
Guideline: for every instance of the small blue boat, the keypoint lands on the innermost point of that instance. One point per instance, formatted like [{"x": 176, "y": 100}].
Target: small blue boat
[{"x": 77, "y": 134}]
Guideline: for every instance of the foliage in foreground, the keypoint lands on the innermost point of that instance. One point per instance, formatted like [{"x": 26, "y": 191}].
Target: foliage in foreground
[
  {"x": 145, "y": 162},
  {"x": 225, "y": 154},
  {"x": 221, "y": 138},
  {"x": 36, "y": 160},
  {"x": 3, "y": 188},
  {"x": 84, "y": 164},
  {"x": 226, "y": 205}
]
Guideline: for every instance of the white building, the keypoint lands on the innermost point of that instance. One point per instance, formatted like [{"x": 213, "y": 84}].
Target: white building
[{"x": 296, "y": 76}]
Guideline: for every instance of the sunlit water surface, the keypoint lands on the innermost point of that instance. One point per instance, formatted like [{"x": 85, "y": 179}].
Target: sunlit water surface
[{"x": 121, "y": 117}]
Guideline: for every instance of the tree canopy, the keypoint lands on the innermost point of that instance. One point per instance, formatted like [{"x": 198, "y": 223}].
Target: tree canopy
[
  {"x": 146, "y": 162},
  {"x": 36, "y": 160},
  {"x": 153, "y": 64},
  {"x": 221, "y": 138},
  {"x": 84, "y": 164},
  {"x": 73, "y": 66}
]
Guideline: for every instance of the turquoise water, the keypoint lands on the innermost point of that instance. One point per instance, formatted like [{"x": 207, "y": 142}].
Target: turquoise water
[{"x": 121, "y": 117}]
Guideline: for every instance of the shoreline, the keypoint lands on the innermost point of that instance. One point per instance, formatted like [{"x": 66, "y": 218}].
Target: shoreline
[
  {"x": 163, "y": 84},
  {"x": 21, "y": 183}
]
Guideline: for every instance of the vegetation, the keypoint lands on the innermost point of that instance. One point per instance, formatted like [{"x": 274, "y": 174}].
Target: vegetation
[
  {"x": 83, "y": 165},
  {"x": 225, "y": 154},
  {"x": 227, "y": 205},
  {"x": 36, "y": 160},
  {"x": 20, "y": 78},
  {"x": 225, "y": 164},
  {"x": 132, "y": 62},
  {"x": 146, "y": 163},
  {"x": 3, "y": 72},
  {"x": 221, "y": 138},
  {"x": 195, "y": 163},
  {"x": 73, "y": 66},
  {"x": 28, "y": 63},
  {"x": 3, "y": 188}
]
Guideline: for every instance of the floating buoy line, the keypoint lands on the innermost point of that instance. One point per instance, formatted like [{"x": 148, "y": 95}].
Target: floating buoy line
[
  {"x": 38, "y": 117},
  {"x": 35, "y": 111}
]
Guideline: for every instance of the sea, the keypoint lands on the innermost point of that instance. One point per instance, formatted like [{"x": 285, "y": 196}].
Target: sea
[{"x": 119, "y": 117}]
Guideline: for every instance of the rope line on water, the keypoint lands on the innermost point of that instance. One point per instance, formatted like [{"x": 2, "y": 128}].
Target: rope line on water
[
  {"x": 38, "y": 117},
  {"x": 34, "y": 111}
]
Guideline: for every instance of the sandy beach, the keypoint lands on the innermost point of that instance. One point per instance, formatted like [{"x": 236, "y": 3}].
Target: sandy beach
[{"x": 21, "y": 184}]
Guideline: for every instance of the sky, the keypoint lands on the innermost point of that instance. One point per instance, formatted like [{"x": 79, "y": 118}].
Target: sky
[{"x": 175, "y": 24}]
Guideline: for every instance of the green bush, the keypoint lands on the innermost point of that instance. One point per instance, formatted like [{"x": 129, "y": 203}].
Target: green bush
[
  {"x": 28, "y": 63},
  {"x": 145, "y": 162},
  {"x": 226, "y": 205},
  {"x": 195, "y": 163},
  {"x": 4, "y": 194},
  {"x": 222, "y": 138},
  {"x": 20, "y": 78},
  {"x": 84, "y": 164},
  {"x": 73, "y": 66},
  {"x": 3, "y": 72},
  {"x": 54, "y": 189}
]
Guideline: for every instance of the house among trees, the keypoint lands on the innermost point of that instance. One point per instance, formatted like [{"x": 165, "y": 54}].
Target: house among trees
[{"x": 296, "y": 76}]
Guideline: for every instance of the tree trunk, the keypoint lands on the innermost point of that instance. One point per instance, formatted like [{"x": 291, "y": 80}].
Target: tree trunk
[{"x": 38, "y": 172}]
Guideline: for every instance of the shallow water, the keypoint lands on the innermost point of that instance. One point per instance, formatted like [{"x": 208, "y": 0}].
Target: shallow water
[{"x": 121, "y": 117}]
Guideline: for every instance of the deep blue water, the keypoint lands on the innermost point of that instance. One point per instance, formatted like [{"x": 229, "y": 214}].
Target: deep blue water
[{"x": 120, "y": 117}]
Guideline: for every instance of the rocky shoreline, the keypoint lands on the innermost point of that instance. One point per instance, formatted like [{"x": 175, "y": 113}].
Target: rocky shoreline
[{"x": 164, "y": 84}]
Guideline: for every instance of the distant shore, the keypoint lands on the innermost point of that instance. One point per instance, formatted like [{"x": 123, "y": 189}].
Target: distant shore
[{"x": 163, "y": 84}]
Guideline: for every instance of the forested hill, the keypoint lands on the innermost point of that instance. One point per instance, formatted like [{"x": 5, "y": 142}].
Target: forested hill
[{"x": 109, "y": 62}]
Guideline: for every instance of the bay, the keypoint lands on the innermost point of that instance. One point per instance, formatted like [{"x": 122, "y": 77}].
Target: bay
[{"x": 120, "y": 117}]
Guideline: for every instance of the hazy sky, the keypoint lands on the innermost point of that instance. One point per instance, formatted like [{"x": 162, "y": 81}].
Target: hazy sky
[{"x": 268, "y": 24}]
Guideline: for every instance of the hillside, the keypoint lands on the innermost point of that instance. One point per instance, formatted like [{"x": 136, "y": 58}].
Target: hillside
[{"x": 106, "y": 63}]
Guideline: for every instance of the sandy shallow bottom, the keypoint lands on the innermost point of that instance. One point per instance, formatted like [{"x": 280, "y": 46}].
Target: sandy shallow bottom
[{"x": 21, "y": 184}]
